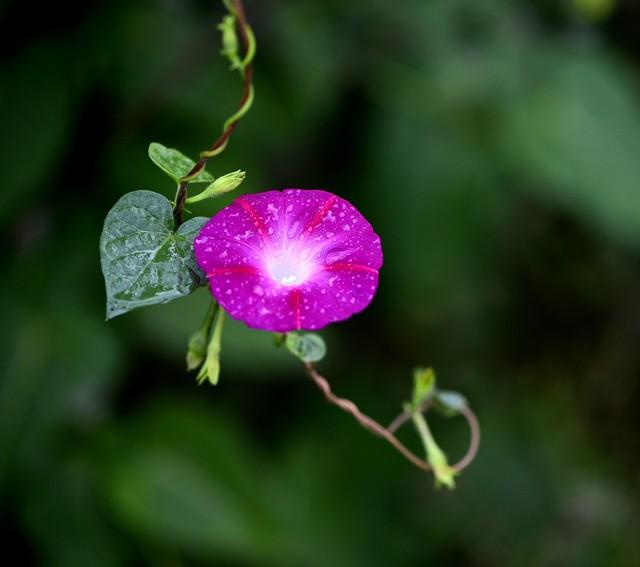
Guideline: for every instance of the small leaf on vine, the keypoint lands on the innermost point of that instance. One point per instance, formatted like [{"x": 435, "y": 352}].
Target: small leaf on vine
[
  {"x": 144, "y": 261},
  {"x": 449, "y": 403},
  {"x": 308, "y": 347},
  {"x": 175, "y": 164},
  {"x": 230, "y": 46}
]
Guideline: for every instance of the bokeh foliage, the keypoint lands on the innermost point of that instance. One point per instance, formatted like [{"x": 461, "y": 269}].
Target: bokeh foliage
[{"x": 494, "y": 145}]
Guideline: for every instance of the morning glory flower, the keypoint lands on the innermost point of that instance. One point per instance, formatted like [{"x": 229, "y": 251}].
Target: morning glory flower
[{"x": 290, "y": 260}]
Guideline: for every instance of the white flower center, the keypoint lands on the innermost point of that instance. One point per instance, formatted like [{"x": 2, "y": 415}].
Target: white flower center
[{"x": 288, "y": 268}]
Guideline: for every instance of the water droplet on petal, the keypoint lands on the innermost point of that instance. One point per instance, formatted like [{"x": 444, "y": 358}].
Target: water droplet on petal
[
  {"x": 336, "y": 255},
  {"x": 293, "y": 230}
]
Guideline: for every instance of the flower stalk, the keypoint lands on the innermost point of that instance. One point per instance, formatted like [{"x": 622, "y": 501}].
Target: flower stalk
[
  {"x": 443, "y": 472},
  {"x": 198, "y": 341},
  {"x": 211, "y": 368}
]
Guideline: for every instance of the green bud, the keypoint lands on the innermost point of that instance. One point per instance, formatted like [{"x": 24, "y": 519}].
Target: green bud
[
  {"x": 220, "y": 186},
  {"x": 442, "y": 471},
  {"x": 444, "y": 474},
  {"x": 424, "y": 382},
  {"x": 211, "y": 368},
  {"x": 197, "y": 349}
]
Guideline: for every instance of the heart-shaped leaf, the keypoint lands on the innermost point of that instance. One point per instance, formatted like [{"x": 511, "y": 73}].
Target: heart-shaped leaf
[
  {"x": 144, "y": 260},
  {"x": 308, "y": 347},
  {"x": 175, "y": 164}
]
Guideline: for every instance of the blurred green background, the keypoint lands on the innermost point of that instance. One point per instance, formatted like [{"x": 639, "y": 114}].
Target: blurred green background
[{"x": 495, "y": 147}]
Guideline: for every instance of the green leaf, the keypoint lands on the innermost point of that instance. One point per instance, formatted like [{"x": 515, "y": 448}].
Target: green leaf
[
  {"x": 179, "y": 477},
  {"x": 308, "y": 347},
  {"x": 175, "y": 164},
  {"x": 25, "y": 110},
  {"x": 448, "y": 402},
  {"x": 574, "y": 135},
  {"x": 144, "y": 261}
]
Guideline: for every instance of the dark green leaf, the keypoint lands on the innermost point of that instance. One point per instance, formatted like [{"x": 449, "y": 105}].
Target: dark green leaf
[
  {"x": 144, "y": 261},
  {"x": 26, "y": 162},
  {"x": 576, "y": 134},
  {"x": 308, "y": 347},
  {"x": 175, "y": 164}
]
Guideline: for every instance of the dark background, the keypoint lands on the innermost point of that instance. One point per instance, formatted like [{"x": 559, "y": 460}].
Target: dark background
[{"x": 495, "y": 147}]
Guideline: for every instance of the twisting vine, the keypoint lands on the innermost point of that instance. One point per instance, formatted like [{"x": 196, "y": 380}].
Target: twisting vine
[
  {"x": 388, "y": 433},
  {"x": 436, "y": 461},
  {"x": 295, "y": 274},
  {"x": 237, "y": 17}
]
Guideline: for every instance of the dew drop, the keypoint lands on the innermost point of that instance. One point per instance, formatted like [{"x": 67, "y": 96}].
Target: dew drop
[
  {"x": 336, "y": 255},
  {"x": 293, "y": 230}
]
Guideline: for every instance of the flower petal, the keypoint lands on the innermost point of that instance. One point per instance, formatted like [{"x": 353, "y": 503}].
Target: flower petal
[{"x": 289, "y": 260}]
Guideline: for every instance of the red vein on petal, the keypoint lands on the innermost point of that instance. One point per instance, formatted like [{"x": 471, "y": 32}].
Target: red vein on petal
[
  {"x": 319, "y": 216},
  {"x": 256, "y": 219},
  {"x": 349, "y": 268},
  {"x": 295, "y": 299},
  {"x": 247, "y": 270}
]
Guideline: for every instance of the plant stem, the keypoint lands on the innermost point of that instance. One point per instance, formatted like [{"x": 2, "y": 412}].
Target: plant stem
[
  {"x": 248, "y": 44},
  {"x": 367, "y": 422},
  {"x": 435, "y": 456},
  {"x": 472, "y": 422},
  {"x": 388, "y": 433},
  {"x": 211, "y": 368}
]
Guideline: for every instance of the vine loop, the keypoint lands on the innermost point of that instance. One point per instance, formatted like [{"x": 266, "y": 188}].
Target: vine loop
[{"x": 388, "y": 433}]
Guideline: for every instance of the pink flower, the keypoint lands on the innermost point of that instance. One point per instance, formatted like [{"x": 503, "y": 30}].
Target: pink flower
[{"x": 290, "y": 260}]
